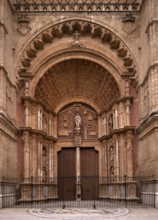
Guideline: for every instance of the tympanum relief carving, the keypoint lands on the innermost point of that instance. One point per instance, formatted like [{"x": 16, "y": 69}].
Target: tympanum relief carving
[{"x": 77, "y": 117}]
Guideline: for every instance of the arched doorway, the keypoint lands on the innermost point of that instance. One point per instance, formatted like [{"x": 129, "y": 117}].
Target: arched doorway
[
  {"x": 91, "y": 116},
  {"x": 78, "y": 81}
]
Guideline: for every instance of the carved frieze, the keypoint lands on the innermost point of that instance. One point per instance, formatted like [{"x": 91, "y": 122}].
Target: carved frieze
[{"x": 103, "y": 6}]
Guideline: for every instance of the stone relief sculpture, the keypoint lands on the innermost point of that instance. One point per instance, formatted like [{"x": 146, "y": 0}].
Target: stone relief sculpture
[{"x": 78, "y": 121}]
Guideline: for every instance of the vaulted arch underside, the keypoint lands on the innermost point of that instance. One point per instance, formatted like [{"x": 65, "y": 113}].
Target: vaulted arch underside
[{"x": 79, "y": 80}]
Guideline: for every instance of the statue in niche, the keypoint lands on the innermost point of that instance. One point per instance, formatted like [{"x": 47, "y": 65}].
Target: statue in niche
[
  {"x": 77, "y": 138},
  {"x": 110, "y": 122},
  {"x": 111, "y": 154},
  {"x": 44, "y": 123},
  {"x": 78, "y": 121}
]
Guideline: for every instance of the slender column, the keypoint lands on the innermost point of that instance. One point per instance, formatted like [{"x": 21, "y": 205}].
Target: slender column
[
  {"x": 41, "y": 115},
  {"x": 31, "y": 162},
  {"x": 105, "y": 161},
  {"x": 54, "y": 132},
  {"x": 35, "y": 159},
  {"x": 122, "y": 151},
  {"x": 117, "y": 158},
  {"x": 127, "y": 113},
  {"x": 51, "y": 152},
  {"x": 26, "y": 155},
  {"x": 121, "y": 115},
  {"x": 116, "y": 117},
  {"x": 99, "y": 126},
  {"x": 50, "y": 125},
  {"x": 78, "y": 174},
  {"x": 39, "y": 159},
  {"x": 78, "y": 161},
  {"x": 26, "y": 116},
  {"x": 33, "y": 117},
  {"x": 129, "y": 156},
  {"x": 39, "y": 119}
]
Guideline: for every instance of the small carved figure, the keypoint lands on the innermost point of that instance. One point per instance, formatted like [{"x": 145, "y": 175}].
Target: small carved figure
[{"x": 78, "y": 121}]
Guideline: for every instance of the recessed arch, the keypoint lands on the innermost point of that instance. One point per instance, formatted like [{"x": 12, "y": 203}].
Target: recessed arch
[
  {"x": 84, "y": 54},
  {"x": 78, "y": 80}
]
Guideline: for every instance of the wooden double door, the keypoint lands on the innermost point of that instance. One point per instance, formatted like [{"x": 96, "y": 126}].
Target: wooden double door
[{"x": 89, "y": 174}]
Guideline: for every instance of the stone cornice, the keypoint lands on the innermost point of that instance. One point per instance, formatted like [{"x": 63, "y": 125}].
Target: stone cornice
[
  {"x": 116, "y": 101},
  {"x": 103, "y": 6},
  {"x": 37, "y": 132},
  {"x": 149, "y": 120},
  {"x": 29, "y": 99},
  {"x": 118, "y": 132},
  {"x": 8, "y": 123},
  {"x": 153, "y": 65}
]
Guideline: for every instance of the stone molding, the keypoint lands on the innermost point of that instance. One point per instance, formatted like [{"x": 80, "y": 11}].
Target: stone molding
[
  {"x": 121, "y": 131},
  {"x": 13, "y": 130},
  {"x": 83, "y": 27},
  {"x": 36, "y": 132},
  {"x": 103, "y": 6}
]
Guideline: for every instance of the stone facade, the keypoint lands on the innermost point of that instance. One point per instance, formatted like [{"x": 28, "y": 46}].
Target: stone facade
[{"x": 59, "y": 57}]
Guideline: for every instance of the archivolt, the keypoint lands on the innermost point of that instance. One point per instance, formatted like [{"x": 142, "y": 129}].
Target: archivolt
[{"x": 85, "y": 28}]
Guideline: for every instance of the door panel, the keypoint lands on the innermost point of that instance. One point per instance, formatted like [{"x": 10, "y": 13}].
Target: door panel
[
  {"x": 67, "y": 174},
  {"x": 89, "y": 173}
]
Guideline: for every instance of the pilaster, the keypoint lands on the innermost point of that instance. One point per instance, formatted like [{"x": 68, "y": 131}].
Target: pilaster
[
  {"x": 129, "y": 157},
  {"x": 26, "y": 138}
]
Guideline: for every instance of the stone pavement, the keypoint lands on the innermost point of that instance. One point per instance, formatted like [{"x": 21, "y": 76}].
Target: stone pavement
[{"x": 79, "y": 214}]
